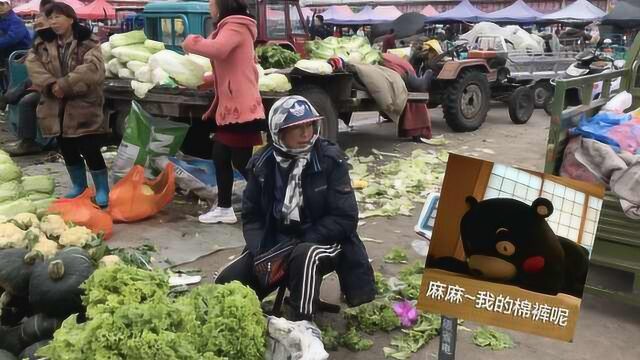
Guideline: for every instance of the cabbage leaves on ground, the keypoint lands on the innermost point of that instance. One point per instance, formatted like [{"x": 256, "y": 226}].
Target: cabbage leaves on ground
[{"x": 132, "y": 317}]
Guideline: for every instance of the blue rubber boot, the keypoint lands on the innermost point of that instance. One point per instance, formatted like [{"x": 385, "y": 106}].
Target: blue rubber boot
[
  {"x": 78, "y": 175},
  {"x": 101, "y": 182}
]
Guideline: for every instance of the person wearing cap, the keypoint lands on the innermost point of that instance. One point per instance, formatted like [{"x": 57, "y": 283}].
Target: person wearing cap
[
  {"x": 68, "y": 71},
  {"x": 13, "y": 32},
  {"x": 298, "y": 189}
]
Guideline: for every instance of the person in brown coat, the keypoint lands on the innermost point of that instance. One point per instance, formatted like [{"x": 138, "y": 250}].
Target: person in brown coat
[{"x": 68, "y": 71}]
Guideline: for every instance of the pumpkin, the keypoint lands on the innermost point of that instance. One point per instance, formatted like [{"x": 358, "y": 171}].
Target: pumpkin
[
  {"x": 5, "y": 355},
  {"x": 37, "y": 328},
  {"x": 10, "y": 341},
  {"x": 55, "y": 284},
  {"x": 14, "y": 309},
  {"x": 30, "y": 352},
  {"x": 14, "y": 272}
]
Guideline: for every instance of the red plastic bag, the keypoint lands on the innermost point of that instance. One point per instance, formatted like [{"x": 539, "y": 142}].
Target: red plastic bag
[
  {"x": 81, "y": 211},
  {"x": 135, "y": 198}
]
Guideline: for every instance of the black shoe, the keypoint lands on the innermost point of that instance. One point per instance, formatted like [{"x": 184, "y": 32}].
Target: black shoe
[{"x": 24, "y": 147}]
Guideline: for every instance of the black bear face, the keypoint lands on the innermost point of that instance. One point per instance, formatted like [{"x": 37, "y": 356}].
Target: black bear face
[{"x": 505, "y": 238}]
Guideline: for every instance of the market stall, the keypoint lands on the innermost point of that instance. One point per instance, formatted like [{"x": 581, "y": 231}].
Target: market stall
[
  {"x": 33, "y": 7},
  {"x": 464, "y": 12},
  {"x": 337, "y": 14},
  {"x": 518, "y": 12},
  {"x": 624, "y": 15},
  {"x": 97, "y": 10},
  {"x": 581, "y": 11}
]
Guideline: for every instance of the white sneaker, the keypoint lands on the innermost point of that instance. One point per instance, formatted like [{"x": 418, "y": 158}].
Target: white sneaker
[{"x": 219, "y": 215}]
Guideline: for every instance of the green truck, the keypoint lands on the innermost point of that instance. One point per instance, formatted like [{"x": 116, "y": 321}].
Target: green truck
[
  {"x": 279, "y": 22},
  {"x": 615, "y": 259}
]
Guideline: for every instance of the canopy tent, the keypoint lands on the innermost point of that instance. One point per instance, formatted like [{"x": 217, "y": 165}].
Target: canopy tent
[
  {"x": 337, "y": 13},
  {"x": 462, "y": 12},
  {"x": 624, "y": 14},
  {"x": 429, "y": 11},
  {"x": 97, "y": 10},
  {"x": 579, "y": 11},
  {"x": 379, "y": 15},
  {"x": 33, "y": 7},
  {"x": 518, "y": 12}
]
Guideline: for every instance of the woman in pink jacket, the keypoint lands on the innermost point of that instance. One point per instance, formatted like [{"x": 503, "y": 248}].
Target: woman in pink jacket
[{"x": 237, "y": 108}]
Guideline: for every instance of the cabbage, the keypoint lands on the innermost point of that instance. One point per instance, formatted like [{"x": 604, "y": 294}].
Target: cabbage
[
  {"x": 274, "y": 82},
  {"x": 355, "y": 58},
  {"x": 322, "y": 52},
  {"x": 106, "y": 51},
  {"x": 37, "y": 196},
  {"x": 153, "y": 46},
  {"x": 129, "y": 38},
  {"x": 9, "y": 172},
  {"x": 126, "y": 74},
  {"x": 184, "y": 71},
  {"x": 13, "y": 208},
  {"x": 9, "y": 191},
  {"x": 43, "y": 204},
  {"x": 114, "y": 66},
  {"x": 141, "y": 88},
  {"x": 372, "y": 57},
  {"x": 202, "y": 61},
  {"x": 132, "y": 52},
  {"x": 135, "y": 65},
  {"x": 5, "y": 158},
  {"x": 38, "y": 184},
  {"x": 319, "y": 67},
  {"x": 143, "y": 74},
  {"x": 160, "y": 77}
]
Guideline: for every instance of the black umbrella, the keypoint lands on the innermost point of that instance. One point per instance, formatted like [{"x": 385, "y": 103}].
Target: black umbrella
[
  {"x": 626, "y": 14},
  {"x": 406, "y": 25}
]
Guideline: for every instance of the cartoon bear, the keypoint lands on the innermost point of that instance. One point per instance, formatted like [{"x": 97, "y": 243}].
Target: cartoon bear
[{"x": 508, "y": 241}]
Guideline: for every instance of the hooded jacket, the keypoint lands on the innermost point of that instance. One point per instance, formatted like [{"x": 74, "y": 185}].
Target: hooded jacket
[
  {"x": 329, "y": 214},
  {"x": 13, "y": 33},
  {"x": 81, "y": 108},
  {"x": 230, "y": 49}
]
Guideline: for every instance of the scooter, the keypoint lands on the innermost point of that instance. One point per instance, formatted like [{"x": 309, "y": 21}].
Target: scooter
[{"x": 588, "y": 62}]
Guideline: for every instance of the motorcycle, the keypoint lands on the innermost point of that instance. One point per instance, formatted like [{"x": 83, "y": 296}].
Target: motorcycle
[{"x": 588, "y": 62}]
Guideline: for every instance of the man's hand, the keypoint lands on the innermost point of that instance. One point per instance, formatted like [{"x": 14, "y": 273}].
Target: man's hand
[{"x": 57, "y": 91}]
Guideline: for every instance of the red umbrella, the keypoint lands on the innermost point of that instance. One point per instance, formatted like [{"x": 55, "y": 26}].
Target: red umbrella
[
  {"x": 33, "y": 7},
  {"x": 97, "y": 10}
]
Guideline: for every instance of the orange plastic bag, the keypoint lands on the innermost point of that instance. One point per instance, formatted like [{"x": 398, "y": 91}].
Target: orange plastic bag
[
  {"x": 135, "y": 198},
  {"x": 81, "y": 211}
]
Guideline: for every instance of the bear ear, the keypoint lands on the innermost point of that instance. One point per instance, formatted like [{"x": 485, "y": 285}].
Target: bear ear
[
  {"x": 543, "y": 207},
  {"x": 471, "y": 202}
]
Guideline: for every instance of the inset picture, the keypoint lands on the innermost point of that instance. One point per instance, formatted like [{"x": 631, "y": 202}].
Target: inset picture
[{"x": 510, "y": 247}]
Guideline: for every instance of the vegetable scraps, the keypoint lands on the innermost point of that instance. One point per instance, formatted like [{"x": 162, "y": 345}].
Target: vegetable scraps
[
  {"x": 488, "y": 337},
  {"x": 131, "y": 316},
  {"x": 414, "y": 339},
  {"x": 396, "y": 256},
  {"x": 371, "y": 317},
  {"x": 394, "y": 188},
  {"x": 276, "y": 57}
]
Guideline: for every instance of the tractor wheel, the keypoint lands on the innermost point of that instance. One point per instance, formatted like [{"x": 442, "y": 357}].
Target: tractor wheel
[
  {"x": 323, "y": 104},
  {"x": 466, "y": 101},
  {"x": 542, "y": 92},
  {"x": 521, "y": 105}
]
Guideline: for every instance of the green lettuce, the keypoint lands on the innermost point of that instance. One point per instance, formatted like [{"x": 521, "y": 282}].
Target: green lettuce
[{"x": 42, "y": 184}]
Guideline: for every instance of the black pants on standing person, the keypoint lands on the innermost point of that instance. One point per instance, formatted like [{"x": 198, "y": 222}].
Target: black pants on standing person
[{"x": 223, "y": 158}]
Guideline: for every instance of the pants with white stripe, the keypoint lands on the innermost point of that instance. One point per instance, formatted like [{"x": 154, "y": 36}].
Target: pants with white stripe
[{"x": 308, "y": 263}]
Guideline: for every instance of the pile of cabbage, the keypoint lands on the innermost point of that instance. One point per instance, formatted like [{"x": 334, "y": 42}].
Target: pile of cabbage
[
  {"x": 273, "y": 82},
  {"x": 147, "y": 63},
  {"x": 355, "y": 49},
  {"x": 19, "y": 194}
]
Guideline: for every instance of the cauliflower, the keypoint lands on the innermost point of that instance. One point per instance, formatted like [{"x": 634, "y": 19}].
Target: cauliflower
[
  {"x": 2, "y": 219},
  {"x": 11, "y": 236},
  {"x": 48, "y": 248},
  {"x": 109, "y": 261},
  {"x": 53, "y": 225},
  {"x": 27, "y": 220},
  {"x": 75, "y": 236}
]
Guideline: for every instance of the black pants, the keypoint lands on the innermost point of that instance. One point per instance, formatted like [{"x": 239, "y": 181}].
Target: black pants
[
  {"x": 75, "y": 150},
  {"x": 223, "y": 157},
  {"x": 307, "y": 265},
  {"x": 27, "y": 120}
]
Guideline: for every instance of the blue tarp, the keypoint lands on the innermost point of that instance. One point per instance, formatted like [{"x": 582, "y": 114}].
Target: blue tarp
[
  {"x": 579, "y": 11},
  {"x": 518, "y": 12},
  {"x": 462, "y": 12}
]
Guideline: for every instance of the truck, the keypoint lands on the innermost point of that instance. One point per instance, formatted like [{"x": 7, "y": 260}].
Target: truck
[
  {"x": 615, "y": 257},
  {"x": 280, "y": 22}
]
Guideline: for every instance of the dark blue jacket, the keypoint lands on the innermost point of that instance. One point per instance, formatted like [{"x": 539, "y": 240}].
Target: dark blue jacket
[
  {"x": 13, "y": 33},
  {"x": 329, "y": 214}
]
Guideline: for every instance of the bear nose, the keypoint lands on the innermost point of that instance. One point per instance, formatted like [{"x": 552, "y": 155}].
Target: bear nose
[{"x": 476, "y": 272}]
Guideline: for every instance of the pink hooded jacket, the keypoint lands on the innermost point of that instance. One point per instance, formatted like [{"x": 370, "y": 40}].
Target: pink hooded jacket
[{"x": 230, "y": 48}]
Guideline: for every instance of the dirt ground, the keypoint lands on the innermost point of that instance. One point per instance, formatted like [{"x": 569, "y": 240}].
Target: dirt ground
[{"x": 605, "y": 329}]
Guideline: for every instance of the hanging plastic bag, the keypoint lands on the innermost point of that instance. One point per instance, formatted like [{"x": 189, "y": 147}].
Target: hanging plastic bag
[
  {"x": 81, "y": 211},
  {"x": 145, "y": 138},
  {"x": 135, "y": 198}
]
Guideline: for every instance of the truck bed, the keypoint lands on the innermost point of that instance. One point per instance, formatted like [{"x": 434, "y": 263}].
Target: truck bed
[{"x": 536, "y": 67}]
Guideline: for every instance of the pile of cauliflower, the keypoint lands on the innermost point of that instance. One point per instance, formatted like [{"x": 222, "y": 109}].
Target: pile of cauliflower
[{"x": 46, "y": 235}]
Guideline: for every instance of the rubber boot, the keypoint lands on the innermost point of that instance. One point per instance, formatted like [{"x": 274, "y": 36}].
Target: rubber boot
[
  {"x": 101, "y": 182},
  {"x": 78, "y": 175}
]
